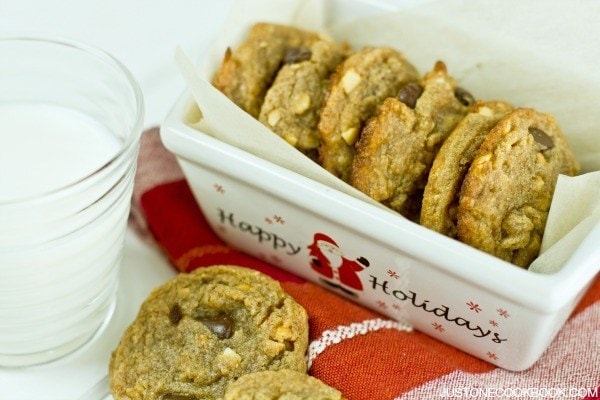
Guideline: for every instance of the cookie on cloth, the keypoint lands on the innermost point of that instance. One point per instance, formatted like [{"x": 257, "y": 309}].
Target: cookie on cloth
[
  {"x": 293, "y": 103},
  {"x": 398, "y": 144},
  {"x": 283, "y": 384},
  {"x": 247, "y": 71},
  {"x": 202, "y": 330},
  {"x": 508, "y": 189},
  {"x": 440, "y": 198},
  {"x": 358, "y": 86}
]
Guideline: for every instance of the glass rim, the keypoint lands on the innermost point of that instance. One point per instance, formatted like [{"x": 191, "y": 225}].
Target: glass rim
[{"x": 101, "y": 56}]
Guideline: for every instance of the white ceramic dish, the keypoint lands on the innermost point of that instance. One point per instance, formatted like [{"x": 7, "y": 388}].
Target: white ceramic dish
[
  {"x": 468, "y": 299},
  {"x": 471, "y": 300}
]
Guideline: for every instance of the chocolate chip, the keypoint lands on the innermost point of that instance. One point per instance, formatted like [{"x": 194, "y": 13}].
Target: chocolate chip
[
  {"x": 541, "y": 137},
  {"x": 464, "y": 97},
  {"x": 221, "y": 325},
  {"x": 175, "y": 314},
  {"x": 410, "y": 93},
  {"x": 289, "y": 346},
  {"x": 297, "y": 54},
  {"x": 176, "y": 396}
]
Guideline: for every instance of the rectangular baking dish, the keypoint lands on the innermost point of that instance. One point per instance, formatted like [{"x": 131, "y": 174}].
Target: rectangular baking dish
[{"x": 473, "y": 301}]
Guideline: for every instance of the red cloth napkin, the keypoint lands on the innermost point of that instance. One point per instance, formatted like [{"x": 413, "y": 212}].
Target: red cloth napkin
[{"x": 358, "y": 351}]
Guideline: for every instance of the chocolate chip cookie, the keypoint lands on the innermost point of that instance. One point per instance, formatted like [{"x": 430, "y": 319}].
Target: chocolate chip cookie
[
  {"x": 358, "y": 86},
  {"x": 199, "y": 332},
  {"x": 398, "y": 144},
  {"x": 247, "y": 72},
  {"x": 507, "y": 191},
  {"x": 284, "y": 384},
  {"x": 440, "y": 198},
  {"x": 293, "y": 103}
]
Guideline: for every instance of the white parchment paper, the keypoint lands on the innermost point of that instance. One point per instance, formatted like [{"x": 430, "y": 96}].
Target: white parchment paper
[{"x": 540, "y": 53}]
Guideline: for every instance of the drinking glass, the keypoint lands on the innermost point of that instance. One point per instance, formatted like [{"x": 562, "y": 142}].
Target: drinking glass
[{"x": 70, "y": 121}]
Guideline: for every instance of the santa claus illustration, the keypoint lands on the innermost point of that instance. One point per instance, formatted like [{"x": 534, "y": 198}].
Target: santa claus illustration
[{"x": 327, "y": 259}]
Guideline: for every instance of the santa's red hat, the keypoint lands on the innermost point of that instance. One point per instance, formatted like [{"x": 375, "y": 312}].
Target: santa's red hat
[{"x": 323, "y": 237}]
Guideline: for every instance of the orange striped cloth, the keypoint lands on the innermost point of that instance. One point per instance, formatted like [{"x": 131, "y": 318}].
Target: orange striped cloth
[{"x": 360, "y": 352}]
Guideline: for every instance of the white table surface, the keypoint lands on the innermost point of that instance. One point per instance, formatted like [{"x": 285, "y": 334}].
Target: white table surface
[{"x": 143, "y": 35}]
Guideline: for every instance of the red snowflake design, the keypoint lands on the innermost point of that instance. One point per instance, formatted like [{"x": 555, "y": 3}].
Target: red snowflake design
[
  {"x": 474, "y": 307},
  {"x": 493, "y": 323},
  {"x": 275, "y": 218},
  {"x": 503, "y": 313},
  {"x": 219, "y": 188},
  {"x": 438, "y": 327},
  {"x": 382, "y": 304},
  {"x": 491, "y": 355},
  {"x": 393, "y": 274},
  {"x": 397, "y": 307}
]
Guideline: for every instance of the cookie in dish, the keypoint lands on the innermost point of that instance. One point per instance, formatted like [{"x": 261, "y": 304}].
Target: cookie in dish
[
  {"x": 358, "y": 87},
  {"x": 507, "y": 191},
  {"x": 398, "y": 145},
  {"x": 440, "y": 198},
  {"x": 247, "y": 71},
  {"x": 292, "y": 105}
]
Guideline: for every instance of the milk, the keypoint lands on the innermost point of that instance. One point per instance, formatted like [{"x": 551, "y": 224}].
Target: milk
[
  {"x": 44, "y": 147},
  {"x": 60, "y": 248}
]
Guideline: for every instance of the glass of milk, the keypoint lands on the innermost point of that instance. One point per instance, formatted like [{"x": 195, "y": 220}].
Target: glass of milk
[{"x": 70, "y": 122}]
